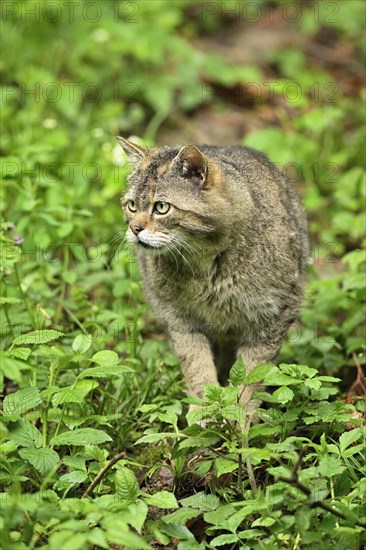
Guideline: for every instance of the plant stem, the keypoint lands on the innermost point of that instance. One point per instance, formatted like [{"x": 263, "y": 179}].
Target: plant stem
[
  {"x": 27, "y": 302},
  {"x": 64, "y": 284}
]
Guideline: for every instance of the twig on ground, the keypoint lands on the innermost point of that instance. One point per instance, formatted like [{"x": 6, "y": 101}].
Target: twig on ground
[
  {"x": 100, "y": 474},
  {"x": 360, "y": 382}
]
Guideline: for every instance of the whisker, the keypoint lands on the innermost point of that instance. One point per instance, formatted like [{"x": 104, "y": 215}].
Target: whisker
[
  {"x": 115, "y": 254},
  {"x": 183, "y": 257},
  {"x": 117, "y": 237},
  {"x": 190, "y": 249},
  {"x": 172, "y": 249}
]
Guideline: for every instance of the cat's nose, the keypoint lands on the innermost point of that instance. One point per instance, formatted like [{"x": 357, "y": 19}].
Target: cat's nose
[{"x": 136, "y": 227}]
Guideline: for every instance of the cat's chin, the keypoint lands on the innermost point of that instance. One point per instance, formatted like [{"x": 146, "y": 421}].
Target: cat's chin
[{"x": 149, "y": 247}]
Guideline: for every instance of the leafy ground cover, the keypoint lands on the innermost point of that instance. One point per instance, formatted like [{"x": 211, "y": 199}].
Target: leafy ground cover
[{"x": 96, "y": 447}]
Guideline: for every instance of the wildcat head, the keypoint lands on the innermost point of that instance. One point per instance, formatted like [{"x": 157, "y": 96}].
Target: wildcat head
[{"x": 174, "y": 200}]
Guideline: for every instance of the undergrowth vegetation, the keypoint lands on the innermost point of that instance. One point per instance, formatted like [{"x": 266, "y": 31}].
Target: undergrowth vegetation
[{"x": 96, "y": 447}]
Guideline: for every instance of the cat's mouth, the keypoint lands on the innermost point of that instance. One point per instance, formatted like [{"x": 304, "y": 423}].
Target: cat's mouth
[{"x": 149, "y": 246}]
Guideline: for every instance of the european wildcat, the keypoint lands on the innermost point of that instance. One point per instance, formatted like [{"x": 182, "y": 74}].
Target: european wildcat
[{"x": 222, "y": 246}]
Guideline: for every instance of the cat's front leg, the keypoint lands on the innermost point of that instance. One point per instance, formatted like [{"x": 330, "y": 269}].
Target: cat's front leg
[{"x": 197, "y": 363}]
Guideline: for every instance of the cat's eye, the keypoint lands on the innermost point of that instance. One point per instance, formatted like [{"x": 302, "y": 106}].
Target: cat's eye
[
  {"x": 161, "y": 207},
  {"x": 131, "y": 205}
]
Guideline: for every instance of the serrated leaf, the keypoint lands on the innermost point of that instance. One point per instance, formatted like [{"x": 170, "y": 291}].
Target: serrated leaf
[
  {"x": 212, "y": 392},
  {"x": 126, "y": 484},
  {"x": 280, "y": 379},
  {"x": 117, "y": 531},
  {"x": 154, "y": 438},
  {"x": 328, "y": 379},
  {"x": 81, "y": 437},
  {"x": 81, "y": 343},
  {"x": 74, "y": 477},
  {"x": 162, "y": 499},
  {"x": 21, "y": 401},
  {"x": 260, "y": 372},
  {"x": 330, "y": 466},
  {"x": 105, "y": 358},
  {"x": 69, "y": 395},
  {"x": 198, "y": 441},
  {"x": 260, "y": 430},
  {"x": 38, "y": 337},
  {"x": 353, "y": 450},
  {"x": 12, "y": 368},
  {"x": 234, "y": 412},
  {"x": 182, "y": 515},
  {"x": 347, "y": 438},
  {"x": 135, "y": 514},
  {"x": 223, "y": 466},
  {"x": 283, "y": 395},
  {"x": 200, "y": 413},
  {"x": 203, "y": 502},
  {"x": 25, "y": 434},
  {"x": 237, "y": 373},
  {"x": 256, "y": 454},
  {"x": 75, "y": 462},
  {"x": 20, "y": 353},
  {"x": 43, "y": 460},
  {"x": 222, "y": 540},
  {"x": 105, "y": 372},
  {"x": 219, "y": 517}
]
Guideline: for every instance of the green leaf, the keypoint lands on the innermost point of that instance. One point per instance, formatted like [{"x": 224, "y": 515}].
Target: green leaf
[
  {"x": 221, "y": 540},
  {"x": 212, "y": 392},
  {"x": 75, "y": 477},
  {"x": 330, "y": 466},
  {"x": 205, "y": 440},
  {"x": 200, "y": 413},
  {"x": 154, "y": 438},
  {"x": 280, "y": 379},
  {"x": 81, "y": 437},
  {"x": 162, "y": 499},
  {"x": 38, "y": 337},
  {"x": 203, "y": 502},
  {"x": 126, "y": 484},
  {"x": 283, "y": 395},
  {"x": 347, "y": 438},
  {"x": 182, "y": 515},
  {"x": 105, "y": 372},
  {"x": 354, "y": 450},
  {"x": 223, "y": 466},
  {"x": 260, "y": 372},
  {"x": 81, "y": 343},
  {"x": 20, "y": 353},
  {"x": 65, "y": 229},
  {"x": 117, "y": 532},
  {"x": 220, "y": 516},
  {"x": 21, "y": 401},
  {"x": 234, "y": 412},
  {"x": 68, "y": 538},
  {"x": 237, "y": 373},
  {"x": 43, "y": 460},
  {"x": 69, "y": 395},
  {"x": 105, "y": 358},
  {"x": 313, "y": 384},
  {"x": 134, "y": 514},
  {"x": 25, "y": 434},
  {"x": 75, "y": 462},
  {"x": 12, "y": 368}
]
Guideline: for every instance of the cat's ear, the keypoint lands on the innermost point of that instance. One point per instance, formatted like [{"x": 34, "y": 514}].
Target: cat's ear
[
  {"x": 135, "y": 153},
  {"x": 191, "y": 163}
]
